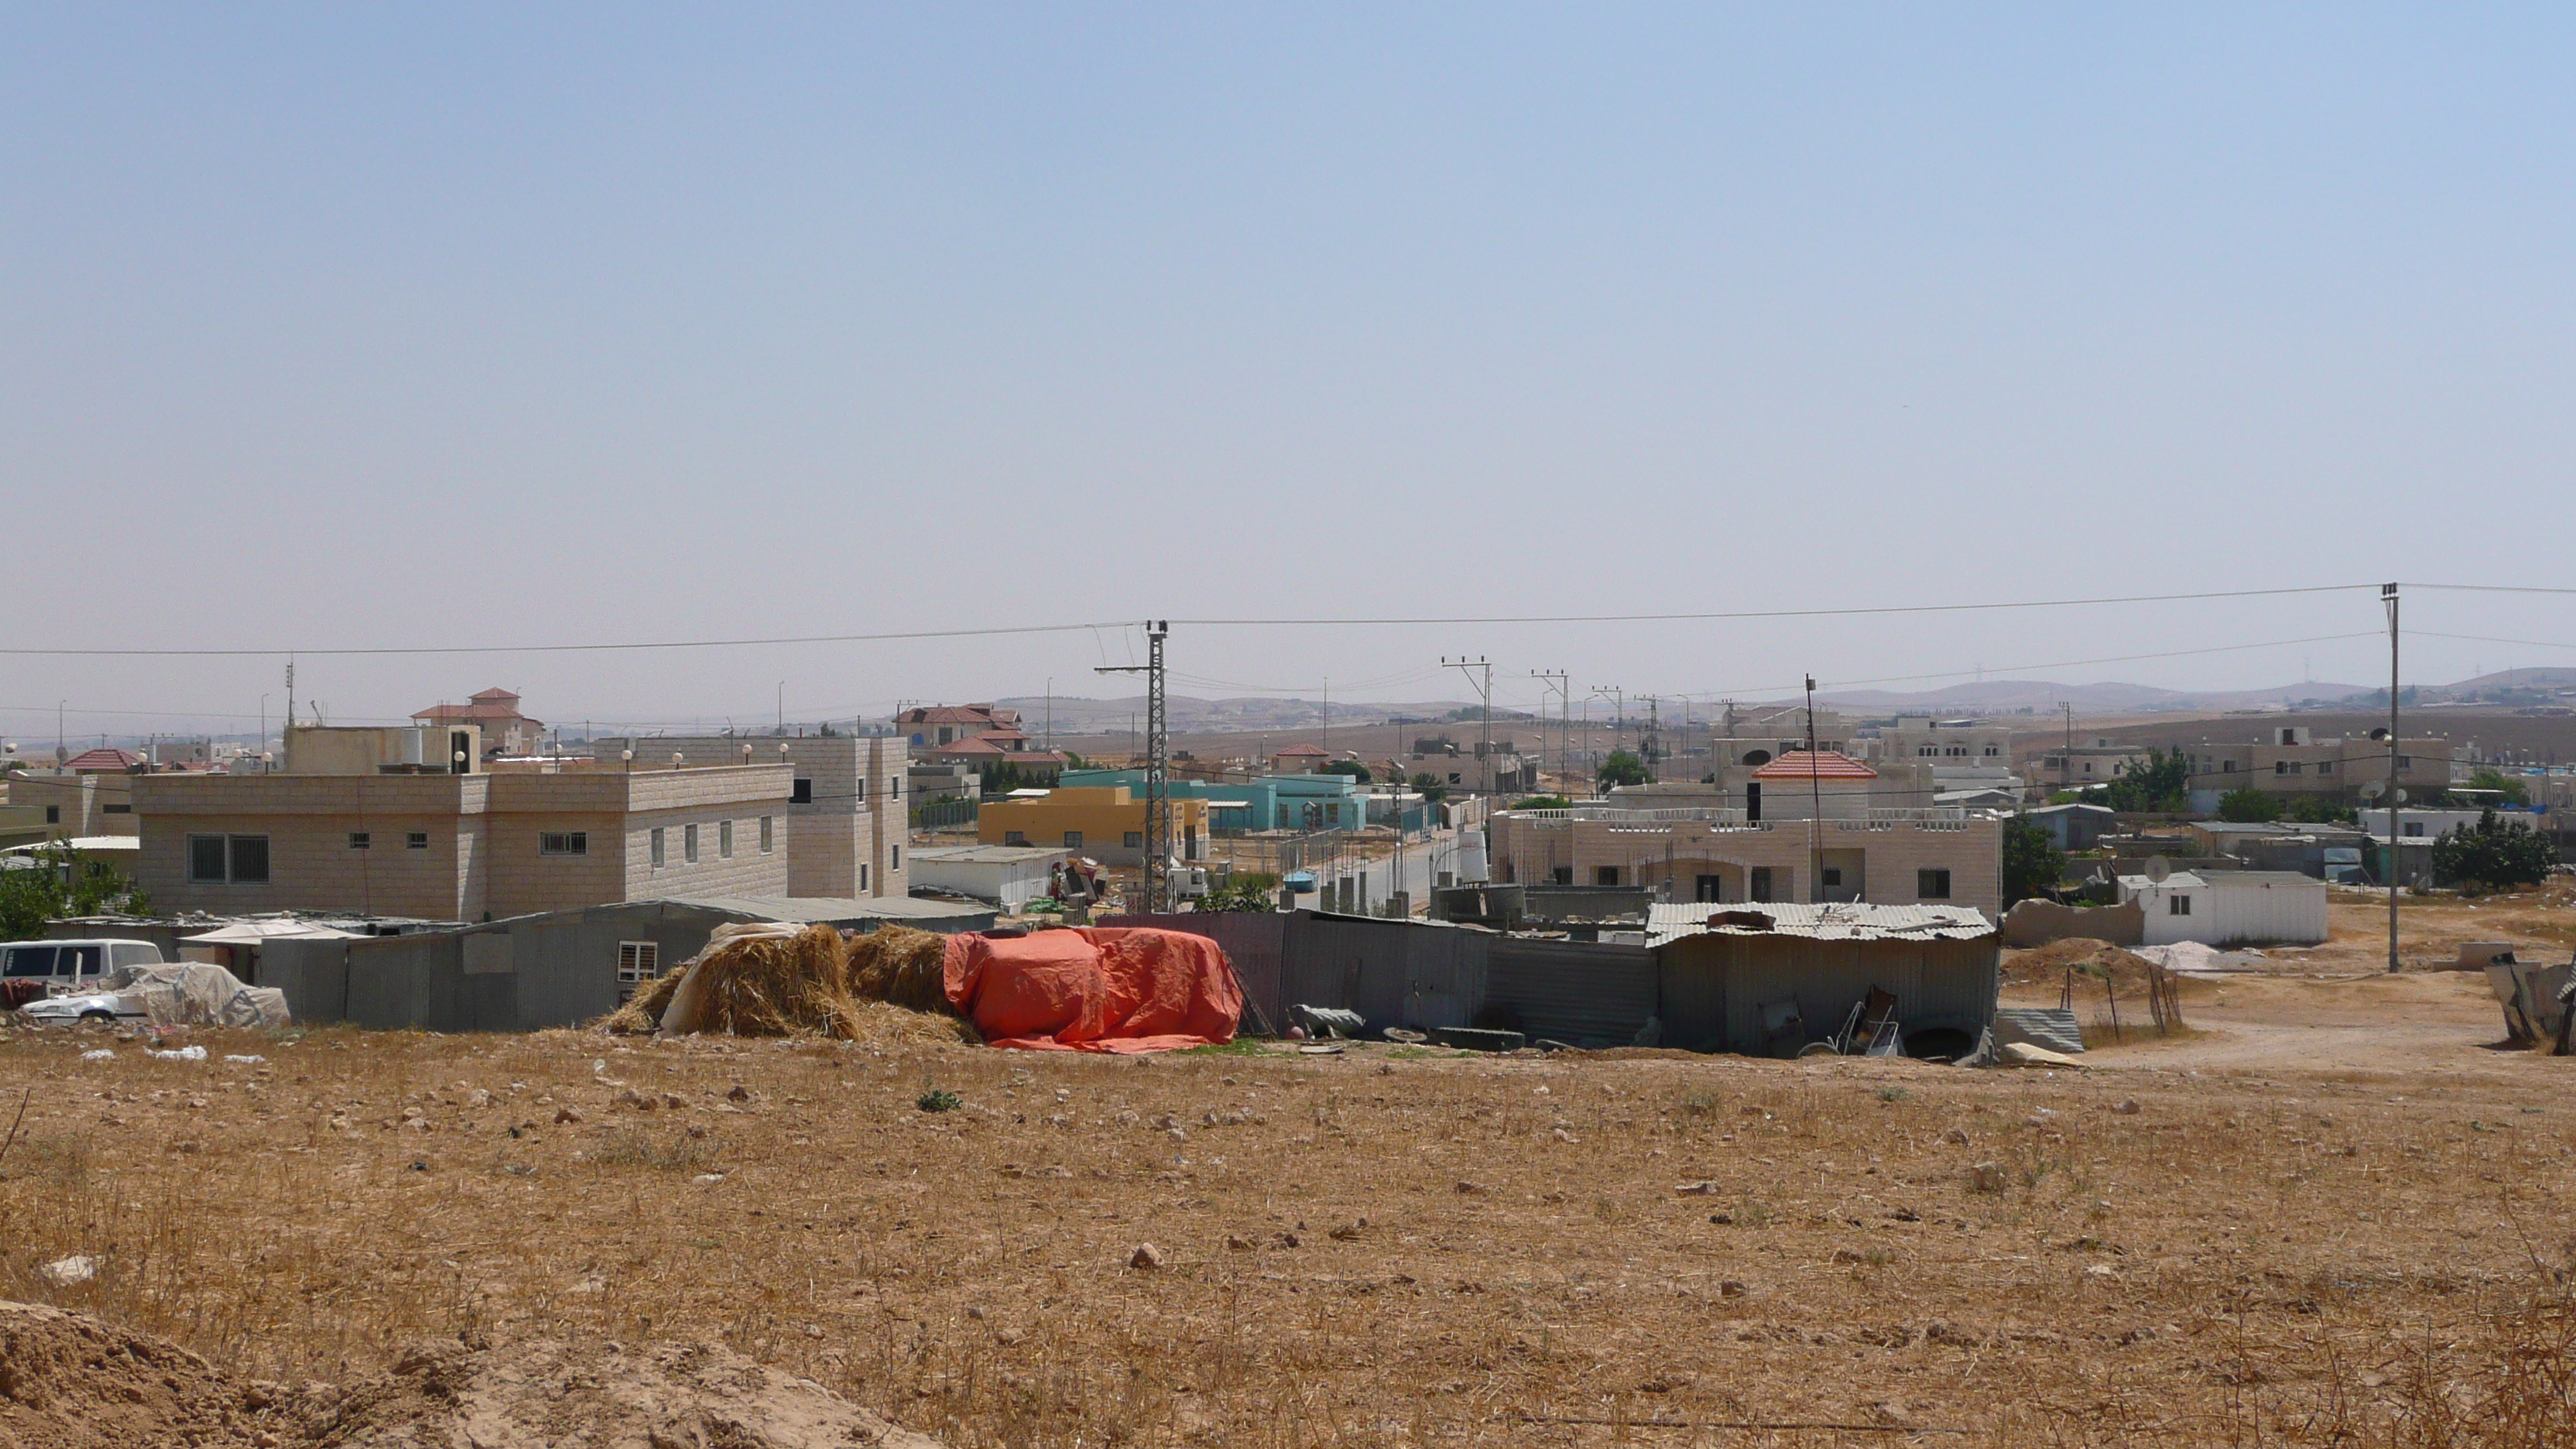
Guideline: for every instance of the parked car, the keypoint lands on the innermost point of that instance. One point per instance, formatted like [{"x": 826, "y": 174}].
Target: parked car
[
  {"x": 100, "y": 1006},
  {"x": 30, "y": 970}
]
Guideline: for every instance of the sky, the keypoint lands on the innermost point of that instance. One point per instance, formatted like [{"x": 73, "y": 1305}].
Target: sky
[{"x": 482, "y": 327}]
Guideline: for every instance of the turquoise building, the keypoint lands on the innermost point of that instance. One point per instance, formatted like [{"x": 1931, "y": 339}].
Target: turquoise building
[{"x": 1266, "y": 802}]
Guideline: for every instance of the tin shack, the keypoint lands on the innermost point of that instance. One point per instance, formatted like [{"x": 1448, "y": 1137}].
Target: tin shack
[{"x": 1770, "y": 979}]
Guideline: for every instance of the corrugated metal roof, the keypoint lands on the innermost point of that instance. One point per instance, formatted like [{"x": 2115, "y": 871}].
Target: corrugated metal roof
[
  {"x": 828, "y": 908},
  {"x": 1829, "y": 921}
]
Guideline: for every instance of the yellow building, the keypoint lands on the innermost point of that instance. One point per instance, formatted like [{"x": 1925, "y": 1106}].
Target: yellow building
[{"x": 1105, "y": 822}]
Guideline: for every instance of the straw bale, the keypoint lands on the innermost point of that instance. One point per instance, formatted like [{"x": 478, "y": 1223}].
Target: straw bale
[{"x": 884, "y": 986}]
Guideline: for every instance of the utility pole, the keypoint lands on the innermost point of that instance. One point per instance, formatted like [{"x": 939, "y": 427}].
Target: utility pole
[
  {"x": 2388, "y": 601},
  {"x": 290, "y": 694},
  {"x": 2068, "y": 768},
  {"x": 1816, "y": 796},
  {"x": 1562, "y": 683},
  {"x": 1158, "y": 783},
  {"x": 1653, "y": 742},
  {"x": 1485, "y": 691}
]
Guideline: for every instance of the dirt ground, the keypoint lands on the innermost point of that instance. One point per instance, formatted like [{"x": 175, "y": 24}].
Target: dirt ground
[{"x": 2330, "y": 1213}]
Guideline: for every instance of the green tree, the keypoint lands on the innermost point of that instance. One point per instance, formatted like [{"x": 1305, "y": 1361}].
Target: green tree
[
  {"x": 2493, "y": 854},
  {"x": 2246, "y": 805},
  {"x": 2318, "y": 810},
  {"x": 1623, "y": 768},
  {"x": 1358, "y": 772},
  {"x": 2157, "y": 783},
  {"x": 1249, "y": 891},
  {"x": 2033, "y": 865},
  {"x": 2488, "y": 778},
  {"x": 1543, "y": 802},
  {"x": 61, "y": 884},
  {"x": 1429, "y": 787}
]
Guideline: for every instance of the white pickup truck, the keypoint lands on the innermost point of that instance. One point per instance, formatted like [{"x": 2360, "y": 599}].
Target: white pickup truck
[{"x": 66, "y": 980}]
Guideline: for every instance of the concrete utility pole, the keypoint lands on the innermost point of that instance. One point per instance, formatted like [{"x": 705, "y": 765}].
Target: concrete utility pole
[
  {"x": 1816, "y": 796},
  {"x": 2388, "y": 601},
  {"x": 2067, "y": 768},
  {"x": 1562, "y": 683},
  {"x": 1485, "y": 691}
]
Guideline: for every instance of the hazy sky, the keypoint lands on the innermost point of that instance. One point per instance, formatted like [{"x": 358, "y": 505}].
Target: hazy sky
[{"x": 365, "y": 326}]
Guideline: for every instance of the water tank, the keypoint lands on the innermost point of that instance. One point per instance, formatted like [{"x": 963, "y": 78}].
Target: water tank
[{"x": 1471, "y": 857}]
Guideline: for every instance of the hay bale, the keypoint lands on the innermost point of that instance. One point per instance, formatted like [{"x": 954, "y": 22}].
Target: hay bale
[
  {"x": 901, "y": 965},
  {"x": 884, "y": 986}
]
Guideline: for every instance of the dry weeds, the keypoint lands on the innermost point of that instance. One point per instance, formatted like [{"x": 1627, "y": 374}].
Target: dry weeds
[{"x": 1356, "y": 1250}]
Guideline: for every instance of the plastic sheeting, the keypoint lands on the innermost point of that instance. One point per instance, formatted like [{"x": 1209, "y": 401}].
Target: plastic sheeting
[
  {"x": 1100, "y": 989},
  {"x": 195, "y": 993}
]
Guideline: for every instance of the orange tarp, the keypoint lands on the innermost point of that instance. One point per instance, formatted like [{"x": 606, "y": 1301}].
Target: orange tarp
[{"x": 1095, "y": 989}]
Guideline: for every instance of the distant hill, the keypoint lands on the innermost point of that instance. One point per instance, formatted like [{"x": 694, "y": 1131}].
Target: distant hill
[{"x": 2008, "y": 695}]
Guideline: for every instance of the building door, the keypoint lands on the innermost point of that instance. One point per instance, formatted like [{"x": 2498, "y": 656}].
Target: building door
[
  {"x": 1753, "y": 802},
  {"x": 1760, "y": 889},
  {"x": 1711, "y": 890}
]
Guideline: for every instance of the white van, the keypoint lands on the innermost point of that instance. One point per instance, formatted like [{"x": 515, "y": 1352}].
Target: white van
[{"x": 68, "y": 966}]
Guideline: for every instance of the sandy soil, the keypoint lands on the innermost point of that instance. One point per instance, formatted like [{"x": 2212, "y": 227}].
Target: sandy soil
[{"x": 2331, "y": 1208}]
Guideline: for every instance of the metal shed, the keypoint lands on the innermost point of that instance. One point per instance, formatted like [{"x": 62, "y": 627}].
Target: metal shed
[
  {"x": 1722, "y": 984},
  {"x": 533, "y": 972}
]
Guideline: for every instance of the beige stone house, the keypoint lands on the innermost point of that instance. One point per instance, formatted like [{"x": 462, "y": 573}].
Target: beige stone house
[
  {"x": 414, "y": 840},
  {"x": 1854, "y": 852},
  {"x": 846, "y": 804}
]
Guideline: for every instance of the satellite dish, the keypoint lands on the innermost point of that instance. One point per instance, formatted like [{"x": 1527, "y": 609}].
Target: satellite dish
[
  {"x": 2372, "y": 790},
  {"x": 2401, "y": 797},
  {"x": 2158, "y": 868}
]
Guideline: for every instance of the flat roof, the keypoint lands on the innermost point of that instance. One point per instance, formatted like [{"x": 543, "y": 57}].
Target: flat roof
[
  {"x": 1826, "y": 921},
  {"x": 988, "y": 854}
]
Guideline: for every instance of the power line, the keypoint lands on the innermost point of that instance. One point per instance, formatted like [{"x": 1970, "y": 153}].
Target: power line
[
  {"x": 574, "y": 648},
  {"x": 1124, "y": 625}
]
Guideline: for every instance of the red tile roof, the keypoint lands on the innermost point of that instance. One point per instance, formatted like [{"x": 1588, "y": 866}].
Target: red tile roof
[
  {"x": 103, "y": 762},
  {"x": 1822, "y": 765}
]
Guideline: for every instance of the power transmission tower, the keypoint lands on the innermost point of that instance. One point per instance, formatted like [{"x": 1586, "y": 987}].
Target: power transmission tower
[
  {"x": 1158, "y": 767},
  {"x": 1485, "y": 691}
]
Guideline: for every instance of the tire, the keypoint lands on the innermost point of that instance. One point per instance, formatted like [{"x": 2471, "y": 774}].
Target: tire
[
  {"x": 106, "y": 1016},
  {"x": 1818, "y": 1049}
]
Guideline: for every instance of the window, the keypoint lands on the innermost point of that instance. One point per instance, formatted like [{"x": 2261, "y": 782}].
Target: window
[
  {"x": 1135, "y": 840},
  {"x": 116, "y": 810},
  {"x": 2325, "y": 767},
  {"x": 802, "y": 793},
  {"x": 894, "y": 858},
  {"x": 1453, "y": 777},
  {"x": 228, "y": 859},
  {"x": 2406, "y": 762},
  {"x": 1710, "y": 889},
  {"x": 689, "y": 844},
  {"x": 894, "y": 788},
  {"x": 765, "y": 838},
  {"x": 31, "y": 961},
  {"x": 657, "y": 847},
  {"x": 1073, "y": 840},
  {"x": 863, "y": 879},
  {"x": 1015, "y": 837},
  {"x": 416, "y": 840},
  {"x": 2227, "y": 767},
  {"x": 1563, "y": 875},
  {"x": 360, "y": 840},
  {"x": 637, "y": 963},
  {"x": 724, "y": 840},
  {"x": 2414, "y": 827},
  {"x": 563, "y": 842},
  {"x": 1927, "y": 751},
  {"x": 1932, "y": 885},
  {"x": 53, "y": 815},
  {"x": 2280, "y": 767},
  {"x": 2177, "y": 905},
  {"x": 1605, "y": 875},
  {"x": 1833, "y": 877},
  {"x": 1760, "y": 887}
]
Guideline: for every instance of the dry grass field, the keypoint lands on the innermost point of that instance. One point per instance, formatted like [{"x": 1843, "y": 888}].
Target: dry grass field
[{"x": 2333, "y": 1214}]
